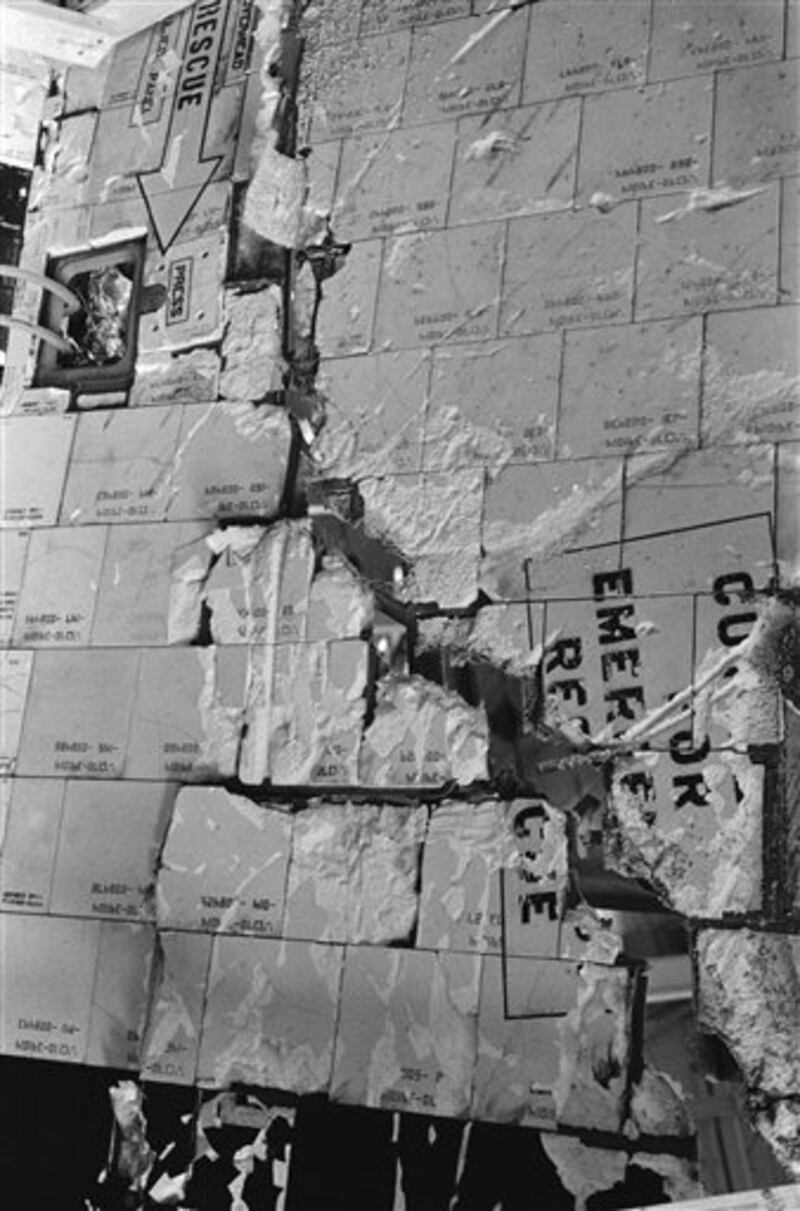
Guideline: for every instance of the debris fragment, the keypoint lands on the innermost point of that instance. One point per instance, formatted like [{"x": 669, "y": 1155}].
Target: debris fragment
[
  {"x": 748, "y": 994},
  {"x": 134, "y": 1157},
  {"x": 353, "y": 872},
  {"x": 594, "y": 1039},
  {"x": 423, "y": 735},
  {"x": 583, "y": 1170}
]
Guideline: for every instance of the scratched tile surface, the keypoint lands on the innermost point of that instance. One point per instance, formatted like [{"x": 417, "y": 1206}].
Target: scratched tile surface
[{"x": 524, "y": 371}]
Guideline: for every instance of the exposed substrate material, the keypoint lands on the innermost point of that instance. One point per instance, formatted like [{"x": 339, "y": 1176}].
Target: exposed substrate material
[{"x": 749, "y": 990}]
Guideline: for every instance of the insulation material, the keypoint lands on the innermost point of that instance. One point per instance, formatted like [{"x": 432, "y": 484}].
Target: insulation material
[
  {"x": 172, "y": 1041},
  {"x": 191, "y": 378},
  {"x": 187, "y": 720},
  {"x": 710, "y": 258},
  {"x": 262, "y": 86},
  {"x": 340, "y": 605},
  {"x": 422, "y": 735},
  {"x": 658, "y": 1106},
  {"x": 258, "y": 588},
  {"x": 188, "y": 571},
  {"x": 22, "y": 109},
  {"x": 393, "y": 181},
  {"x": 535, "y": 885},
  {"x": 270, "y": 1014},
  {"x": 522, "y": 162},
  {"x": 778, "y": 1124},
  {"x": 756, "y": 131},
  {"x": 120, "y": 996},
  {"x": 752, "y": 375},
  {"x": 679, "y": 1174},
  {"x": 135, "y": 585},
  {"x": 134, "y": 1156},
  {"x": 251, "y": 345},
  {"x": 435, "y": 521},
  {"x": 353, "y": 873},
  {"x": 590, "y": 934},
  {"x": 213, "y": 441},
  {"x": 440, "y": 286},
  {"x": 223, "y": 866},
  {"x": 467, "y": 66},
  {"x": 741, "y": 708},
  {"x": 47, "y": 1004},
  {"x": 345, "y": 320},
  {"x": 574, "y": 49},
  {"x": 788, "y": 522},
  {"x": 690, "y": 822},
  {"x": 594, "y": 1042},
  {"x": 15, "y": 675},
  {"x": 79, "y": 714},
  {"x": 748, "y": 995},
  {"x": 120, "y": 466},
  {"x": 538, "y": 988},
  {"x": 506, "y": 636},
  {"x": 207, "y": 219},
  {"x": 584, "y": 1170},
  {"x": 38, "y": 401},
  {"x": 188, "y": 276},
  {"x": 466, "y": 846},
  {"x": 710, "y": 496},
  {"x": 274, "y": 201},
  {"x": 493, "y": 878},
  {"x": 62, "y": 574},
  {"x": 108, "y": 846},
  {"x": 304, "y": 715},
  {"x": 36, "y": 450},
  {"x": 654, "y": 405},
  {"x": 353, "y": 87},
  {"x": 374, "y": 413},
  {"x": 30, "y": 830},
  {"x": 64, "y": 179},
  {"x": 689, "y": 40},
  {"x": 517, "y": 1066},
  {"x": 407, "y": 1031},
  {"x": 607, "y": 660},
  {"x": 774, "y": 1198},
  {"x": 585, "y": 276},
  {"x": 521, "y": 378},
  {"x": 537, "y": 522}
]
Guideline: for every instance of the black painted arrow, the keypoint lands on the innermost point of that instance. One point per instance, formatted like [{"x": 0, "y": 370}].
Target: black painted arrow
[{"x": 172, "y": 191}]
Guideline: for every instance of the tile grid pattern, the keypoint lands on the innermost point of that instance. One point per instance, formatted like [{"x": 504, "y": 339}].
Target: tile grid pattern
[{"x": 661, "y": 289}]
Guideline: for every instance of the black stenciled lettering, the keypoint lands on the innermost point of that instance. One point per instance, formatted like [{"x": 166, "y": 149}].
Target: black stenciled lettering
[
  {"x": 740, "y": 584},
  {"x": 619, "y": 582},
  {"x": 622, "y": 702},
  {"x": 625, "y": 660},
  {"x": 612, "y": 629},
  {"x": 196, "y": 47},
  {"x": 537, "y": 902},
  {"x": 565, "y": 654},
  {"x": 735, "y": 627},
  {"x": 682, "y": 748},
  {"x": 569, "y": 689},
  {"x": 639, "y": 783},
  {"x": 692, "y": 788}
]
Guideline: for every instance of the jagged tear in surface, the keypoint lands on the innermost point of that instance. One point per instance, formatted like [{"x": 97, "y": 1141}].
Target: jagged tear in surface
[{"x": 291, "y": 716}]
